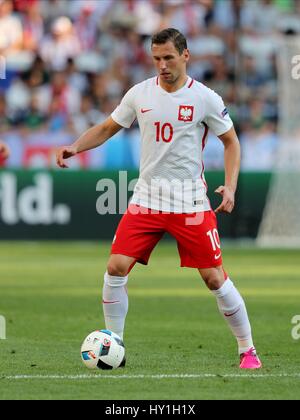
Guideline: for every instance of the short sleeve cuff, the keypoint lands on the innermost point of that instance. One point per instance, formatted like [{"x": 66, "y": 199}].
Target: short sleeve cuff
[
  {"x": 119, "y": 121},
  {"x": 224, "y": 129}
]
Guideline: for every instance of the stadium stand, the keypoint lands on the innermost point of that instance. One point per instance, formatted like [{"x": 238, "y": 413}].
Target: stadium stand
[{"x": 68, "y": 63}]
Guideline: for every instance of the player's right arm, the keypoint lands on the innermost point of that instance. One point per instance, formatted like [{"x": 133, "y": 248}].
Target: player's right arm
[
  {"x": 4, "y": 151},
  {"x": 92, "y": 138}
]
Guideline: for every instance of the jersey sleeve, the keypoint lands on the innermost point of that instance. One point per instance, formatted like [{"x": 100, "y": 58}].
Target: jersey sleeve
[
  {"x": 216, "y": 114},
  {"x": 125, "y": 113}
]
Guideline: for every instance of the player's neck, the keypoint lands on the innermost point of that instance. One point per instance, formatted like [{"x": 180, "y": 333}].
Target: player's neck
[{"x": 177, "y": 85}]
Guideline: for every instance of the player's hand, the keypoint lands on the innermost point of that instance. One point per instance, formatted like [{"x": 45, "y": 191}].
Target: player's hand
[
  {"x": 228, "y": 202},
  {"x": 65, "y": 153},
  {"x": 4, "y": 151}
]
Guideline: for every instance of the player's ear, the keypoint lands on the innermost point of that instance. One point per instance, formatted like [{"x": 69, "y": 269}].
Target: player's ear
[{"x": 186, "y": 54}]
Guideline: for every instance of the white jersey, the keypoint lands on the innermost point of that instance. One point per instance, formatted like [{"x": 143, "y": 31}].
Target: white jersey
[{"x": 174, "y": 128}]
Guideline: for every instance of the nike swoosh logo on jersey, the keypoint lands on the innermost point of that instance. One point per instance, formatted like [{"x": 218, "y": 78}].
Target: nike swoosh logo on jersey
[
  {"x": 218, "y": 256},
  {"x": 143, "y": 111}
]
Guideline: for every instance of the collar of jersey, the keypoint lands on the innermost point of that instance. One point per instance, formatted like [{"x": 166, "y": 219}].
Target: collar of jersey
[{"x": 189, "y": 79}]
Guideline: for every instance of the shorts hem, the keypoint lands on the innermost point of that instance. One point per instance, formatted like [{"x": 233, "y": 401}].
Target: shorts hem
[
  {"x": 126, "y": 254},
  {"x": 200, "y": 266}
]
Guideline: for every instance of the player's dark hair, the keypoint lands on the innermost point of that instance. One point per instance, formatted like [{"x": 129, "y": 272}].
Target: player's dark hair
[{"x": 172, "y": 35}]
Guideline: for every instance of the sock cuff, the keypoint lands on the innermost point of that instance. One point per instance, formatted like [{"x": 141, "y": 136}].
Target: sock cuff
[
  {"x": 225, "y": 289},
  {"x": 115, "y": 281}
]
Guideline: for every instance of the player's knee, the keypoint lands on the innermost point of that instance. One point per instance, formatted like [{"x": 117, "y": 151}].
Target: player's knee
[
  {"x": 117, "y": 269},
  {"x": 214, "y": 278},
  {"x": 213, "y": 281},
  {"x": 120, "y": 265}
]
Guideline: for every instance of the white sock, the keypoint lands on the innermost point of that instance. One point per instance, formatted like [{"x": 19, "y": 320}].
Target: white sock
[
  {"x": 115, "y": 303},
  {"x": 233, "y": 309}
]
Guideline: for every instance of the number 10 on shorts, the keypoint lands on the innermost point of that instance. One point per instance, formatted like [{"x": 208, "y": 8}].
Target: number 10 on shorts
[{"x": 214, "y": 238}]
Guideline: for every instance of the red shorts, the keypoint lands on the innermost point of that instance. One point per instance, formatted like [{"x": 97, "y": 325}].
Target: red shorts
[{"x": 197, "y": 236}]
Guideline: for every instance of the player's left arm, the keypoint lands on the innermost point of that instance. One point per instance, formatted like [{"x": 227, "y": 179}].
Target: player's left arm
[{"x": 232, "y": 160}]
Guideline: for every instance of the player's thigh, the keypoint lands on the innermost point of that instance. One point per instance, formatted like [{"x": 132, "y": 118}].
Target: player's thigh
[
  {"x": 198, "y": 240},
  {"x": 120, "y": 265},
  {"x": 137, "y": 235}
]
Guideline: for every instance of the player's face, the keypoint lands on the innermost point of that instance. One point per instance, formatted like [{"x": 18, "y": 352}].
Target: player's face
[{"x": 168, "y": 62}]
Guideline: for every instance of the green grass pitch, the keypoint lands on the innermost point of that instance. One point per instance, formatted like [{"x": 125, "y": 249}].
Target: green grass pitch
[{"x": 50, "y": 295}]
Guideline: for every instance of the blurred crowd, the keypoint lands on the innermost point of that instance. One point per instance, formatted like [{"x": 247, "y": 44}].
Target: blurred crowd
[{"x": 68, "y": 63}]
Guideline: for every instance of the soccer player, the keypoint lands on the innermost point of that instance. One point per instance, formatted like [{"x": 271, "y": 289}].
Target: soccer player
[
  {"x": 174, "y": 113},
  {"x": 4, "y": 151}
]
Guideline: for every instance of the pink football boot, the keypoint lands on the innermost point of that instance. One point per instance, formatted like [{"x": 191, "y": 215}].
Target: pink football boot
[{"x": 250, "y": 360}]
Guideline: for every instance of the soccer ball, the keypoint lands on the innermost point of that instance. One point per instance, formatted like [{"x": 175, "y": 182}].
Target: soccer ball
[{"x": 103, "y": 350}]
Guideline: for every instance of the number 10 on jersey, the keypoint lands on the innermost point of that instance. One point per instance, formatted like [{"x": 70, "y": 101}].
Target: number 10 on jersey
[{"x": 164, "y": 132}]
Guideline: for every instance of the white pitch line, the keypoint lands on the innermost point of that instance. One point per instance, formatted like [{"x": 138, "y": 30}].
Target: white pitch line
[{"x": 175, "y": 376}]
